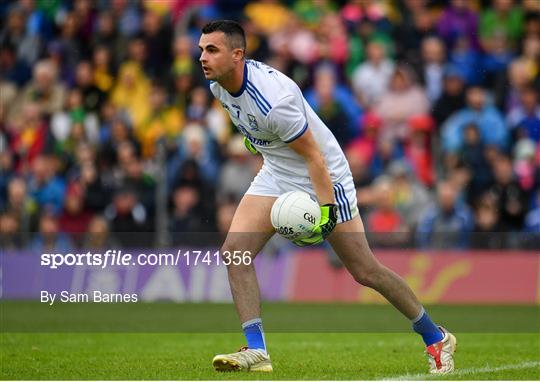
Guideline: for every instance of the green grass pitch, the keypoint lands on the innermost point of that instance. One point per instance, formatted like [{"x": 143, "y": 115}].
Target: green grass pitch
[{"x": 67, "y": 352}]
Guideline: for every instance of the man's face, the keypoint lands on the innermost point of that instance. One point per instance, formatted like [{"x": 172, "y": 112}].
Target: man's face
[{"x": 217, "y": 58}]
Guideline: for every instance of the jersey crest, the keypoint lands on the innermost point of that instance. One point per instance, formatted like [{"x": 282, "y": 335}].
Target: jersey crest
[{"x": 253, "y": 122}]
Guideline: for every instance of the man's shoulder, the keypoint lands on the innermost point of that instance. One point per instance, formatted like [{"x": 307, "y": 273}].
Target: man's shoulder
[{"x": 268, "y": 83}]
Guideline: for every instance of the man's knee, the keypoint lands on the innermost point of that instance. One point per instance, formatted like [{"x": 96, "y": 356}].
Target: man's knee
[
  {"x": 235, "y": 255},
  {"x": 369, "y": 276}
]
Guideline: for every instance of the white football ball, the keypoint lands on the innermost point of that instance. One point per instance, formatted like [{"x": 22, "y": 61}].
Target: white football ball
[{"x": 294, "y": 214}]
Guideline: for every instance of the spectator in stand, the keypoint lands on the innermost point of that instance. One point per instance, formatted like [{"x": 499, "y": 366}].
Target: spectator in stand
[
  {"x": 21, "y": 206},
  {"x": 371, "y": 79},
  {"x": 472, "y": 155},
  {"x": 269, "y": 16},
  {"x": 532, "y": 220},
  {"x": 388, "y": 151},
  {"x": 459, "y": 20},
  {"x": 410, "y": 195},
  {"x": 478, "y": 111},
  {"x": 162, "y": 121},
  {"x": 386, "y": 225},
  {"x": 524, "y": 119},
  {"x": 74, "y": 124},
  {"x": 447, "y": 224},
  {"x": 108, "y": 36},
  {"x": 188, "y": 214},
  {"x": 325, "y": 82},
  {"x": 131, "y": 92},
  {"x": 467, "y": 60},
  {"x": 45, "y": 186},
  {"x": 75, "y": 218},
  {"x": 495, "y": 61},
  {"x": 43, "y": 90},
  {"x": 197, "y": 144},
  {"x": 332, "y": 40},
  {"x": 15, "y": 33},
  {"x": 13, "y": 70},
  {"x": 102, "y": 75},
  {"x": 452, "y": 98},
  {"x": 98, "y": 235},
  {"x": 432, "y": 67},
  {"x": 366, "y": 145},
  {"x": 11, "y": 239},
  {"x": 331, "y": 111},
  {"x": 531, "y": 54},
  {"x": 97, "y": 192},
  {"x": 295, "y": 41},
  {"x": 418, "y": 148},
  {"x": 417, "y": 24},
  {"x": 120, "y": 132},
  {"x": 511, "y": 199},
  {"x": 404, "y": 99},
  {"x": 526, "y": 166},
  {"x": 488, "y": 230},
  {"x": 92, "y": 97},
  {"x": 140, "y": 182},
  {"x": 49, "y": 237},
  {"x": 29, "y": 136},
  {"x": 502, "y": 18},
  {"x": 508, "y": 90},
  {"x": 128, "y": 218},
  {"x": 238, "y": 171},
  {"x": 157, "y": 36},
  {"x": 190, "y": 180},
  {"x": 68, "y": 46}
]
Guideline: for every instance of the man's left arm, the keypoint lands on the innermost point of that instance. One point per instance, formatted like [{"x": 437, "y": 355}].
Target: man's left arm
[
  {"x": 307, "y": 148},
  {"x": 288, "y": 120}
]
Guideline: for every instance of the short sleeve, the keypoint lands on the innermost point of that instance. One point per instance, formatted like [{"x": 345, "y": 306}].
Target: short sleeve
[{"x": 287, "y": 119}]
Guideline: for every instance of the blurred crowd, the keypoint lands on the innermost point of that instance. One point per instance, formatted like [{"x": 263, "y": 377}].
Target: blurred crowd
[{"x": 107, "y": 124}]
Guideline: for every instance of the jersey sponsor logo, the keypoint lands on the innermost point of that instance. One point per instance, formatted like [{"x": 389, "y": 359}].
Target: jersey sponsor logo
[
  {"x": 252, "y": 139},
  {"x": 253, "y": 122},
  {"x": 236, "y": 106},
  {"x": 225, "y": 106}
]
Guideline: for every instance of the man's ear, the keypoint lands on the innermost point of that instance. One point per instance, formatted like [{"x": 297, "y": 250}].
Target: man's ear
[{"x": 238, "y": 54}]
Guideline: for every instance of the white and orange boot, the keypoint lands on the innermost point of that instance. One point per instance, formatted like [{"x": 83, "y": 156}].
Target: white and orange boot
[{"x": 441, "y": 354}]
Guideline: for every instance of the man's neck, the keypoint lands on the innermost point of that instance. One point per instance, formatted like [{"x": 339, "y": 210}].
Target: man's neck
[{"x": 234, "y": 81}]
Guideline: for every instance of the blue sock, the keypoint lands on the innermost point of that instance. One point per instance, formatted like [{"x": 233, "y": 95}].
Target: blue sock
[
  {"x": 426, "y": 328},
  {"x": 253, "y": 331}
]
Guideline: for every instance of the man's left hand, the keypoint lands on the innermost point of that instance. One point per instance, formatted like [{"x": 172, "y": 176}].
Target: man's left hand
[{"x": 323, "y": 229}]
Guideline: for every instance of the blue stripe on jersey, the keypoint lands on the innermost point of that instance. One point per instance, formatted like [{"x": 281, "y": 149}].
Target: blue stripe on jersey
[
  {"x": 339, "y": 202},
  {"x": 347, "y": 205},
  {"x": 300, "y": 133},
  {"x": 250, "y": 85},
  {"x": 257, "y": 101}
]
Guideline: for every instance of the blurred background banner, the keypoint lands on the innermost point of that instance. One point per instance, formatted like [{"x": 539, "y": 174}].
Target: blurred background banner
[
  {"x": 481, "y": 277},
  {"x": 443, "y": 277}
]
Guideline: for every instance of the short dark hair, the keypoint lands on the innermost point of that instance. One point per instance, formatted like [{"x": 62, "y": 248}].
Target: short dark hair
[{"x": 233, "y": 30}]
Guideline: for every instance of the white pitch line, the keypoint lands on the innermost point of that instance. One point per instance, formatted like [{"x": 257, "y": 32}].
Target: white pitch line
[{"x": 471, "y": 370}]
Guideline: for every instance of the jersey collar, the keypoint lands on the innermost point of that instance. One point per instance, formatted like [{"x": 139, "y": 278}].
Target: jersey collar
[{"x": 244, "y": 83}]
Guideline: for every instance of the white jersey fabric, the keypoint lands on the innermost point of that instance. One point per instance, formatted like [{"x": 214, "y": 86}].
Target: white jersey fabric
[{"x": 270, "y": 110}]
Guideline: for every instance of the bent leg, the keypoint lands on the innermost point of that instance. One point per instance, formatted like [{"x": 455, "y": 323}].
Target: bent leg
[
  {"x": 349, "y": 242},
  {"x": 250, "y": 230}
]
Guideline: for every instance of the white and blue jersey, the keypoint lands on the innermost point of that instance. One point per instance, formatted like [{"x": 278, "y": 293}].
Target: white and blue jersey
[{"x": 270, "y": 110}]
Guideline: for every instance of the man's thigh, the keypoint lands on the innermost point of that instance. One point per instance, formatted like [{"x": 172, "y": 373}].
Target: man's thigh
[
  {"x": 349, "y": 242},
  {"x": 251, "y": 227}
]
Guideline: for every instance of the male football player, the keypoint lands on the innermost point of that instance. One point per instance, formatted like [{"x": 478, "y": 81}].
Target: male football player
[{"x": 300, "y": 153}]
